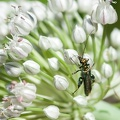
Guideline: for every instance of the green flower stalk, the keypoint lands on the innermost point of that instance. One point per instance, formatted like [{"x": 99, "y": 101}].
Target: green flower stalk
[{"x": 56, "y": 71}]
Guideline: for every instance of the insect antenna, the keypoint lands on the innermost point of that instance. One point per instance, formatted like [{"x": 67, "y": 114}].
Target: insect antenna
[{"x": 84, "y": 48}]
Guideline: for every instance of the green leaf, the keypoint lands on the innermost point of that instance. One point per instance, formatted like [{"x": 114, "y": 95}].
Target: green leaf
[{"x": 106, "y": 111}]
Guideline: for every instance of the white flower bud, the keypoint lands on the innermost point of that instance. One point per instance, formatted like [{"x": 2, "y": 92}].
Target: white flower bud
[
  {"x": 24, "y": 44},
  {"x": 60, "y": 82},
  {"x": 53, "y": 63},
  {"x": 71, "y": 56},
  {"x": 13, "y": 69},
  {"x": 84, "y": 5},
  {"x": 80, "y": 100},
  {"x": 59, "y": 5},
  {"x": 3, "y": 56},
  {"x": 107, "y": 70},
  {"x": 89, "y": 116},
  {"x": 22, "y": 24},
  {"x": 52, "y": 112},
  {"x": 79, "y": 34},
  {"x": 44, "y": 43},
  {"x": 99, "y": 32},
  {"x": 89, "y": 26},
  {"x": 110, "y": 54},
  {"x": 104, "y": 13},
  {"x": 97, "y": 75},
  {"x": 50, "y": 42},
  {"x": 40, "y": 10},
  {"x": 56, "y": 43},
  {"x": 31, "y": 67},
  {"x": 73, "y": 8},
  {"x": 19, "y": 48},
  {"x": 115, "y": 37}
]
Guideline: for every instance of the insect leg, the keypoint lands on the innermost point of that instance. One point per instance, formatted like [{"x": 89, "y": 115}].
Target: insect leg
[
  {"x": 76, "y": 72},
  {"x": 79, "y": 84},
  {"x": 92, "y": 78}
]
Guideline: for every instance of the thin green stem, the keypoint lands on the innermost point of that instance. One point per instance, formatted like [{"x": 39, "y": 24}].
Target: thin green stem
[
  {"x": 56, "y": 30},
  {"x": 94, "y": 47},
  {"x": 34, "y": 35},
  {"x": 78, "y": 18},
  {"x": 101, "y": 47},
  {"x": 69, "y": 28},
  {"x": 67, "y": 23}
]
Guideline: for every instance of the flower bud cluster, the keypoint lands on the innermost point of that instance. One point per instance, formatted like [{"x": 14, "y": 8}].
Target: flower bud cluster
[
  {"x": 22, "y": 96},
  {"x": 18, "y": 48},
  {"x": 46, "y": 43}
]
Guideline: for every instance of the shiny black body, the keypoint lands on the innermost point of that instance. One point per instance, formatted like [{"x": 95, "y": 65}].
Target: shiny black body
[{"x": 86, "y": 77}]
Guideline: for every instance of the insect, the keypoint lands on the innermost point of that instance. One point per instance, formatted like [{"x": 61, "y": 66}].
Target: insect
[{"x": 86, "y": 77}]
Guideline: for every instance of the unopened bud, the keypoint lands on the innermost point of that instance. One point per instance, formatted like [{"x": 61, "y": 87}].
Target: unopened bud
[
  {"x": 13, "y": 69},
  {"x": 60, "y": 82},
  {"x": 53, "y": 63},
  {"x": 107, "y": 70},
  {"x": 52, "y": 112},
  {"x": 79, "y": 34},
  {"x": 80, "y": 100},
  {"x": 31, "y": 67}
]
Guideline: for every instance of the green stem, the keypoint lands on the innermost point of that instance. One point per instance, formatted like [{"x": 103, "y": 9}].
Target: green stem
[
  {"x": 67, "y": 23},
  {"x": 34, "y": 35},
  {"x": 78, "y": 18},
  {"x": 69, "y": 29},
  {"x": 34, "y": 109},
  {"x": 57, "y": 31},
  {"x": 94, "y": 47},
  {"x": 101, "y": 47}
]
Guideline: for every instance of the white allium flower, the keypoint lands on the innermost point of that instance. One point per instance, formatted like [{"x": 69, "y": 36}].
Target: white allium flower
[
  {"x": 19, "y": 48},
  {"x": 24, "y": 44},
  {"x": 89, "y": 26},
  {"x": 107, "y": 70},
  {"x": 79, "y": 34},
  {"x": 31, "y": 67},
  {"x": 89, "y": 116},
  {"x": 13, "y": 68},
  {"x": 71, "y": 56},
  {"x": 53, "y": 63},
  {"x": 110, "y": 54},
  {"x": 115, "y": 37},
  {"x": 104, "y": 13},
  {"x": 25, "y": 92},
  {"x": 59, "y": 5},
  {"x": 52, "y": 112},
  {"x": 22, "y": 24},
  {"x": 60, "y": 82},
  {"x": 81, "y": 100}
]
